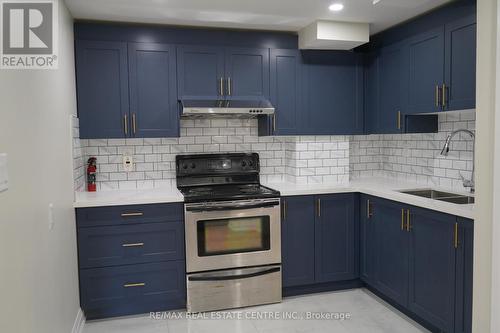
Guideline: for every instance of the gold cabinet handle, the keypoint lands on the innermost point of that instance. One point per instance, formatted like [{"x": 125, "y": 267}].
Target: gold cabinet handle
[
  {"x": 402, "y": 219},
  {"x": 132, "y": 285},
  {"x": 221, "y": 86},
  {"x": 133, "y": 244},
  {"x": 125, "y": 124},
  {"x": 319, "y": 207},
  {"x": 455, "y": 235},
  {"x": 408, "y": 223},
  {"x": 284, "y": 209},
  {"x": 229, "y": 86},
  {"x": 443, "y": 91},
  {"x": 134, "y": 123},
  {"x": 132, "y": 214},
  {"x": 369, "y": 213},
  {"x": 399, "y": 120},
  {"x": 437, "y": 96}
]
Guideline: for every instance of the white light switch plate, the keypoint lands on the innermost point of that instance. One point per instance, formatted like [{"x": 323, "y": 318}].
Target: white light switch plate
[{"x": 4, "y": 178}]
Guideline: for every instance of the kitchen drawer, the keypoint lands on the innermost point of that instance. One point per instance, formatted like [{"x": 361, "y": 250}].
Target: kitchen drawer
[
  {"x": 130, "y": 244},
  {"x": 130, "y": 214},
  {"x": 132, "y": 289}
]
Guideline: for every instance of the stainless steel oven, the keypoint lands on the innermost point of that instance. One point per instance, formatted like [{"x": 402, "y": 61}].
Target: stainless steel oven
[{"x": 232, "y": 234}]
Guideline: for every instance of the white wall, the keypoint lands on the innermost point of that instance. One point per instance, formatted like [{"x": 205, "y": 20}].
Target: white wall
[
  {"x": 485, "y": 154},
  {"x": 38, "y": 267}
]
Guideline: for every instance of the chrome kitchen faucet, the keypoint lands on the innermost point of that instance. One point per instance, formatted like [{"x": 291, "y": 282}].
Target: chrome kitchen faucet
[{"x": 446, "y": 149}]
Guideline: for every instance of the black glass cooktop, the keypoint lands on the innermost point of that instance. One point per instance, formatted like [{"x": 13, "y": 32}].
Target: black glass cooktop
[{"x": 227, "y": 192}]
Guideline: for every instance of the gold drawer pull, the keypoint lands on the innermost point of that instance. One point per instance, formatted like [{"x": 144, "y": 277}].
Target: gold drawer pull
[
  {"x": 133, "y": 285},
  {"x": 132, "y": 214},
  {"x": 133, "y": 244}
]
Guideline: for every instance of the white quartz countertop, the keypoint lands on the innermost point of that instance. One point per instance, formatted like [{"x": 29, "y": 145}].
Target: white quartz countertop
[
  {"x": 387, "y": 188},
  {"x": 127, "y": 197}
]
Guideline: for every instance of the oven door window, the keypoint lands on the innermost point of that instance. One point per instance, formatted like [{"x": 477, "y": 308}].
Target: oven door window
[{"x": 233, "y": 235}]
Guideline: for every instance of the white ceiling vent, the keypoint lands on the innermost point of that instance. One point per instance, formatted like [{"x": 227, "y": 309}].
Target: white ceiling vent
[{"x": 332, "y": 35}]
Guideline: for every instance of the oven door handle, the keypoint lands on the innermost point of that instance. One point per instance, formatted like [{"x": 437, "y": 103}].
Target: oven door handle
[
  {"x": 234, "y": 277},
  {"x": 231, "y": 206}
]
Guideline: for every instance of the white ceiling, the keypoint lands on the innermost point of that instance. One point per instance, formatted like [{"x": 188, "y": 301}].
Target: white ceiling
[{"x": 287, "y": 15}]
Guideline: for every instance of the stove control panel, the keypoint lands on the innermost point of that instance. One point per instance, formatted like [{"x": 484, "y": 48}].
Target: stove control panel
[{"x": 207, "y": 164}]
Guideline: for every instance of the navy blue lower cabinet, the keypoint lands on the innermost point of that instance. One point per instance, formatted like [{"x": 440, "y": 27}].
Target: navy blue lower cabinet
[
  {"x": 297, "y": 240},
  {"x": 335, "y": 243},
  {"x": 464, "y": 269},
  {"x": 391, "y": 237},
  {"x": 131, "y": 244},
  {"x": 131, "y": 214},
  {"x": 367, "y": 240},
  {"x": 433, "y": 249},
  {"x": 132, "y": 289}
]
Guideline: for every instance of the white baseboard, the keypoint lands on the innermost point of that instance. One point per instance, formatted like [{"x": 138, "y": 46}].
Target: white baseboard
[{"x": 79, "y": 322}]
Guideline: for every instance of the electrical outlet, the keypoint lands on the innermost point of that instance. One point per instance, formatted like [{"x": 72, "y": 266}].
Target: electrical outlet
[{"x": 128, "y": 163}]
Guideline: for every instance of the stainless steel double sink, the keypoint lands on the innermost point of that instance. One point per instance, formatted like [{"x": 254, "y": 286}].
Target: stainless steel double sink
[{"x": 441, "y": 196}]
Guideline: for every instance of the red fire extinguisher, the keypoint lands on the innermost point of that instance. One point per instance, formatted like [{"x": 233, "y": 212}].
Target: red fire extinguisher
[{"x": 91, "y": 174}]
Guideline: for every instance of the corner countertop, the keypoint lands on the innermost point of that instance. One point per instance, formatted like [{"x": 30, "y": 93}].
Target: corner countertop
[
  {"x": 127, "y": 197},
  {"x": 387, "y": 188}
]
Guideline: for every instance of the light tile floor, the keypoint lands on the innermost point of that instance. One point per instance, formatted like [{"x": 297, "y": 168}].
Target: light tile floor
[{"x": 369, "y": 314}]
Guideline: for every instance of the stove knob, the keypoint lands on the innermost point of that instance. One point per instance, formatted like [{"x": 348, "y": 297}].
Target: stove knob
[
  {"x": 243, "y": 164},
  {"x": 184, "y": 166},
  {"x": 193, "y": 166}
]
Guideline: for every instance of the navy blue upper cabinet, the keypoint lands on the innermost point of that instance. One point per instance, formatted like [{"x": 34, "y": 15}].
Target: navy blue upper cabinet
[
  {"x": 432, "y": 267},
  {"x": 286, "y": 90},
  {"x": 391, "y": 275},
  {"x": 102, "y": 89},
  {"x": 153, "y": 90},
  {"x": 200, "y": 71},
  {"x": 297, "y": 244},
  {"x": 336, "y": 244},
  {"x": 425, "y": 72},
  {"x": 247, "y": 73},
  {"x": 391, "y": 78},
  {"x": 333, "y": 90},
  {"x": 460, "y": 64},
  {"x": 371, "y": 92}
]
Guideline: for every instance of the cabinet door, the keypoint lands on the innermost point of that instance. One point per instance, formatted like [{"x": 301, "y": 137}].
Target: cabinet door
[
  {"x": 286, "y": 90},
  {"x": 336, "y": 225},
  {"x": 391, "y": 274},
  {"x": 200, "y": 70},
  {"x": 247, "y": 73},
  {"x": 464, "y": 270},
  {"x": 153, "y": 90},
  {"x": 297, "y": 240},
  {"x": 102, "y": 88},
  {"x": 391, "y": 71},
  {"x": 372, "y": 92},
  {"x": 460, "y": 64},
  {"x": 132, "y": 289},
  {"x": 367, "y": 240},
  {"x": 425, "y": 71},
  {"x": 334, "y": 93},
  {"x": 432, "y": 267}
]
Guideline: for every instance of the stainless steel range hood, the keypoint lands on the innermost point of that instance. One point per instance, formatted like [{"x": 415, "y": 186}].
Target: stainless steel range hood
[{"x": 237, "y": 108}]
